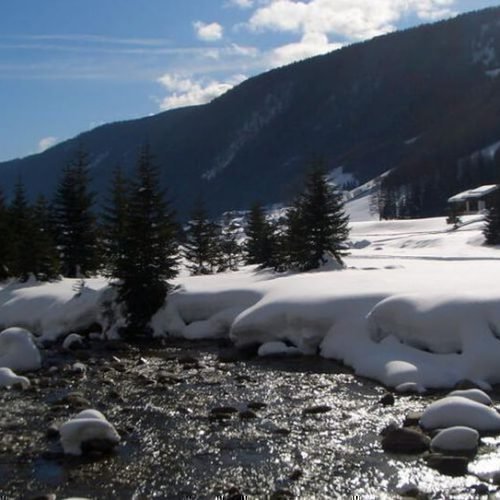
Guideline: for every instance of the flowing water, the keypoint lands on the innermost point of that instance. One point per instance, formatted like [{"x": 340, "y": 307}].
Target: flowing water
[{"x": 161, "y": 400}]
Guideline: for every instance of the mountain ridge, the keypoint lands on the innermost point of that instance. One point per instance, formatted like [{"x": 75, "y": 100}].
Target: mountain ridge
[{"x": 384, "y": 104}]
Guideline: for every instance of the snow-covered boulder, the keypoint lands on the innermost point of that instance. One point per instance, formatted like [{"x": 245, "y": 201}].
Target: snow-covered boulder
[
  {"x": 473, "y": 394},
  {"x": 410, "y": 387},
  {"x": 88, "y": 425},
  {"x": 277, "y": 348},
  {"x": 18, "y": 350},
  {"x": 8, "y": 378},
  {"x": 459, "y": 411},
  {"x": 72, "y": 341},
  {"x": 456, "y": 439}
]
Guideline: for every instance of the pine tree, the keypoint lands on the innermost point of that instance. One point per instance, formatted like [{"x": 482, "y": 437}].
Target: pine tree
[
  {"x": 491, "y": 229},
  {"x": 321, "y": 226},
  {"x": 21, "y": 225},
  {"x": 6, "y": 240},
  {"x": 150, "y": 248},
  {"x": 201, "y": 245},
  {"x": 260, "y": 244},
  {"x": 45, "y": 259},
  {"x": 75, "y": 222},
  {"x": 115, "y": 221}
]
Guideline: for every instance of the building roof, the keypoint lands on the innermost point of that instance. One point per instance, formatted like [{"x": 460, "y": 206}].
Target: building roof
[{"x": 475, "y": 193}]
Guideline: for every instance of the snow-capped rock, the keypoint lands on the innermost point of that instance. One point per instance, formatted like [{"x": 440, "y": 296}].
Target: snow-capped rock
[
  {"x": 456, "y": 439},
  {"x": 88, "y": 425},
  {"x": 18, "y": 350},
  {"x": 8, "y": 378},
  {"x": 72, "y": 340},
  {"x": 459, "y": 411},
  {"x": 473, "y": 394}
]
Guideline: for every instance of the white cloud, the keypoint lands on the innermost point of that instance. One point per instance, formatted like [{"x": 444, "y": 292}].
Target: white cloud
[
  {"x": 46, "y": 143},
  {"x": 243, "y": 4},
  {"x": 208, "y": 32},
  {"x": 311, "y": 44},
  {"x": 349, "y": 19},
  {"x": 185, "y": 91}
]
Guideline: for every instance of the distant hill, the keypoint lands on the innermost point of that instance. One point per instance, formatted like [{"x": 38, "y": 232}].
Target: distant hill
[{"x": 416, "y": 102}]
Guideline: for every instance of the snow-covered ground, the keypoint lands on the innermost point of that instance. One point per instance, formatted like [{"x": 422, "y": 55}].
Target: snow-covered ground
[{"x": 417, "y": 303}]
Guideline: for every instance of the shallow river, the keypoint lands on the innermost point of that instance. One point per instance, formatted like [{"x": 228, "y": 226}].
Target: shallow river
[{"x": 161, "y": 401}]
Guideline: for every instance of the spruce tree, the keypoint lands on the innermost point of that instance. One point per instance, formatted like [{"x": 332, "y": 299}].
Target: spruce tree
[
  {"x": 75, "y": 222},
  {"x": 321, "y": 227},
  {"x": 22, "y": 226},
  {"x": 491, "y": 229},
  {"x": 260, "y": 244},
  {"x": 149, "y": 258},
  {"x": 115, "y": 222},
  {"x": 201, "y": 245}
]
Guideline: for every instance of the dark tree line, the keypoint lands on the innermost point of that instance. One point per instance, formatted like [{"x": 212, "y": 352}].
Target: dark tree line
[{"x": 136, "y": 242}]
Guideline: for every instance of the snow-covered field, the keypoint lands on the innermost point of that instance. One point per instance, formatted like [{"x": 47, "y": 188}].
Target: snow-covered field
[{"x": 418, "y": 303}]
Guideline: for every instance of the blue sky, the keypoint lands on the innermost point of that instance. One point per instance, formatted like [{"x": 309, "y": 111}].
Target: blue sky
[{"x": 69, "y": 65}]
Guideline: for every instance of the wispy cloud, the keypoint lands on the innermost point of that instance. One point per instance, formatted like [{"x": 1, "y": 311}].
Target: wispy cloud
[{"x": 87, "y": 38}]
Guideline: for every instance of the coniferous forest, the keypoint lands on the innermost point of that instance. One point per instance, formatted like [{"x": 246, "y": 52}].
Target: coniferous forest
[{"x": 136, "y": 241}]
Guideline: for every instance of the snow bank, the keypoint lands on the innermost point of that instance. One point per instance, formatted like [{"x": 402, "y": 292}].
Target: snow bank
[
  {"x": 87, "y": 425},
  {"x": 51, "y": 309},
  {"x": 459, "y": 411},
  {"x": 473, "y": 394},
  {"x": 277, "y": 349},
  {"x": 18, "y": 351},
  {"x": 8, "y": 378}
]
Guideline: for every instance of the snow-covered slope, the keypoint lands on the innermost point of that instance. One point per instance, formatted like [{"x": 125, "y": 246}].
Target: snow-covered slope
[{"x": 417, "y": 303}]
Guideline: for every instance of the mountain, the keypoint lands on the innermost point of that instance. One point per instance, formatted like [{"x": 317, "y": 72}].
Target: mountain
[{"x": 416, "y": 102}]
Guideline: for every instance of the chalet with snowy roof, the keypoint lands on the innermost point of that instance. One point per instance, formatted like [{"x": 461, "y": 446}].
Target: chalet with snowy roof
[{"x": 474, "y": 200}]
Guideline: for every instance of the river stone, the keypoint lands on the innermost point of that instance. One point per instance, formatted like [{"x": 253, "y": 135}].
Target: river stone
[
  {"x": 256, "y": 405},
  {"x": 412, "y": 419},
  {"x": 315, "y": 410},
  {"x": 387, "y": 399},
  {"x": 102, "y": 445},
  {"x": 223, "y": 410},
  {"x": 403, "y": 440},
  {"x": 449, "y": 465},
  {"x": 247, "y": 414},
  {"x": 53, "y": 431}
]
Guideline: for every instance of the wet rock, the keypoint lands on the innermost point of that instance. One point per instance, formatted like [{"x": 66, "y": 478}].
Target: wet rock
[
  {"x": 448, "y": 465},
  {"x": 99, "y": 446},
  {"x": 247, "y": 414},
  {"x": 412, "y": 419},
  {"x": 75, "y": 400},
  {"x": 404, "y": 440},
  {"x": 389, "y": 428},
  {"x": 223, "y": 410},
  {"x": 256, "y": 405},
  {"x": 296, "y": 475},
  {"x": 411, "y": 491},
  {"x": 53, "y": 431},
  {"x": 387, "y": 399},
  {"x": 316, "y": 410}
]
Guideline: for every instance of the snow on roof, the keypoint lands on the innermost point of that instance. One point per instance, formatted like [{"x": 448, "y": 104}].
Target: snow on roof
[{"x": 478, "y": 192}]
